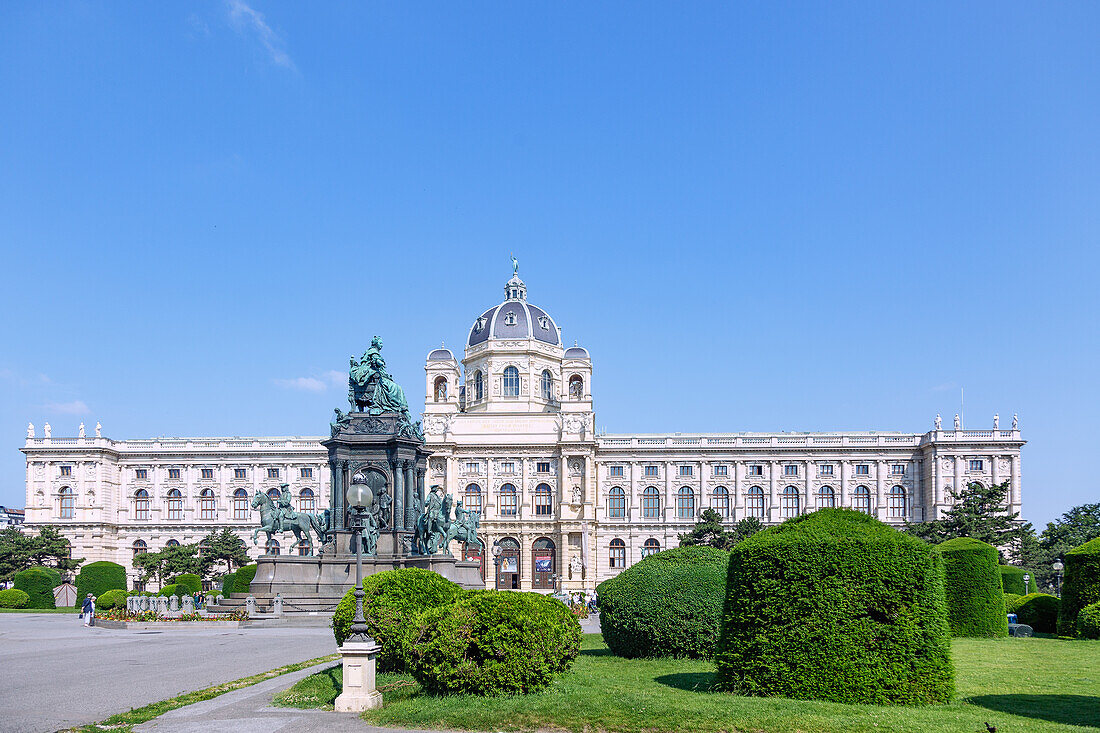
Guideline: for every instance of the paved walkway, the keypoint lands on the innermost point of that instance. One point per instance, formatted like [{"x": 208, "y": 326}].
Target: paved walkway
[{"x": 57, "y": 674}]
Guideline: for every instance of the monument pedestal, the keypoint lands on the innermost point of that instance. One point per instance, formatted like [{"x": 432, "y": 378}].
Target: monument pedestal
[{"x": 360, "y": 693}]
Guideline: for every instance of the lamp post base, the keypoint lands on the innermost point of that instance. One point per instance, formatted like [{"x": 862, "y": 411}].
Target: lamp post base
[{"x": 359, "y": 693}]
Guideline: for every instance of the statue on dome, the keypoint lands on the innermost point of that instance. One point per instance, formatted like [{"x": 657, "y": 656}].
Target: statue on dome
[{"x": 515, "y": 265}]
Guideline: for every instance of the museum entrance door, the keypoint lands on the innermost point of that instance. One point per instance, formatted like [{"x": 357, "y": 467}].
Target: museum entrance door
[
  {"x": 542, "y": 563},
  {"x": 508, "y": 570}
]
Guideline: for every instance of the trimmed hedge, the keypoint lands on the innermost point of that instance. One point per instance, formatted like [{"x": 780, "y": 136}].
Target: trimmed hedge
[
  {"x": 97, "y": 578},
  {"x": 667, "y": 605},
  {"x": 1081, "y": 586},
  {"x": 836, "y": 605},
  {"x": 242, "y": 579},
  {"x": 13, "y": 598},
  {"x": 189, "y": 581},
  {"x": 37, "y": 583},
  {"x": 392, "y": 599},
  {"x": 1037, "y": 610},
  {"x": 1088, "y": 622},
  {"x": 1011, "y": 598},
  {"x": 972, "y": 587},
  {"x": 55, "y": 575},
  {"x": 170, "y": 590},
  {"x": 1012, "y": 580},
  {"x": 493, "y": 643},
  {"x": 111, "y": 599}
]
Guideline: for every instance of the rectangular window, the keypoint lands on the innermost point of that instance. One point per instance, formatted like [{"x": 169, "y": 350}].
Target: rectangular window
[
  {"x": 687, "y": 470},
  {"x": 790, "y": 470},
  {"x": 897, "y": 469},
  {"x": 976, "y": 465},
  {"x": 273, "y": 473},
  {"x": 173, "y": 473},
  {"x": 473, "y": 468},
  {"x": 756, "y": 470},
  {"x": 66, "y": 470},
  {"x": 542, "y": 467},
  {"x": 240, "y": 473},
  {"x": 826, "y": 469},
  {"x": 615, "y": 471},
  {"x": 651, "y": 471},
  {"x": 863, "y": 470},
  {"x": 208, "y": 473},
  {"x": 721, "y": 470},
  {"x": 307, "y": 473},
  {"x": 507, "y": 467},
  {"x": 141, "y": 473}
]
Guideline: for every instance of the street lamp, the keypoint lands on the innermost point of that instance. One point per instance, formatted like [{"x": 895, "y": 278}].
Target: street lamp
[
  {"x": 497, "y": 552},
  {"x": 359, "y": 498},
  {"x": 1027, "y": 579},
  {"x": 1058, "y": 568}
]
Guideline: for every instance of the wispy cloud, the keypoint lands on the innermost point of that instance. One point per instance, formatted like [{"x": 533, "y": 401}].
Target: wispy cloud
[
  {"x": 305, "y": 384},
  {"x": 336, "y": 379},
  {"x": 76, "y": 407},
  {"x": 23, "y": 380},
  {"x": 246, "y": 19}
]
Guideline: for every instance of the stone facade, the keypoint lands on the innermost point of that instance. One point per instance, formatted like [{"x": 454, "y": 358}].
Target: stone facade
[{"x": 512, "y": 433}]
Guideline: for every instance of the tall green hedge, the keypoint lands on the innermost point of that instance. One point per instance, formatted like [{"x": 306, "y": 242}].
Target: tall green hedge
[
  {"x": 190, "y": 581},
  {"x": 242, "y": 579},
  {"x": 836, "y": 605},
  {"x": 37, "y": 583},
  {"x": 97, "y": 578},
  {"x": 1081, "y": 586},
  {"x": 667, "y": 605},
  {"x": 972, "y": 586},
  {"x": 1012, "y": 580},
  {"x": 1037, "y": 610},
  {"x": 392, "y": 599},
  {"x": 1088, "y": 622},
  {"x": 55, "y": 575}
]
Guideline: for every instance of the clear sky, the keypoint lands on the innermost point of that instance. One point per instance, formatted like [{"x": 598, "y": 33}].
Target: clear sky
[{"x": 757, "y": 216}]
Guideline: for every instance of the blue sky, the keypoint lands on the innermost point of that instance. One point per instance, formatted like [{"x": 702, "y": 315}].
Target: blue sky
[{"x": 757, "y": 216}]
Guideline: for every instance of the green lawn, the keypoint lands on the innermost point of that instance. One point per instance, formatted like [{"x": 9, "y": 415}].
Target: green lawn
[{"x": 1013, "y": 684}]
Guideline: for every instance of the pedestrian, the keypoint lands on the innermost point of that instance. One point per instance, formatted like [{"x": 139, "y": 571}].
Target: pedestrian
[{"x": 87, "y": 611}]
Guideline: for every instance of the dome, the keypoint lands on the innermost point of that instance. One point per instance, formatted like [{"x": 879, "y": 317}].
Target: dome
[
  {"x": 577, "y": 352},
  {"x": 441, "y": 354},
  {"x": 515, "y": 318}
]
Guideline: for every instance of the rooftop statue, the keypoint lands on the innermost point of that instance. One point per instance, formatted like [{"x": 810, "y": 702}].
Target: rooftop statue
[{"x": 371, "y": 388}]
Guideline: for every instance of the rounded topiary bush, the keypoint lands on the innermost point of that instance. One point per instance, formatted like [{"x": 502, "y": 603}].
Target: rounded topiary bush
[
  {"x": 112, "y": 599},
  {"x": 493, "y": 643},
  {"x": 13, "y": 598},
  {"x": 1081, "y": 586},
  {"x": 392, "y": 599},
  {"x": 169, "y": 590},
  {"x": 1088, "y": 622},
  {"x": 97, "y": 578},
  {"x": 188, "y": 582},
  {"x": 667, "y": 605},
  {"x": 836, "y": 605},
  {"x": 1011, "y": 598},
  {"x": 37, "y": 583},
  {"x": 242, "y": 579},
  {"x": 1037, "y": 610},
  {"x": 972, "y": 587},
  {"x": 1012, "y": 580},
  {"x": 55, "y": 575}
]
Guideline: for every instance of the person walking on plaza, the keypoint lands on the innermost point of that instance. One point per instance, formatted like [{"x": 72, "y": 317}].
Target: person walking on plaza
[{"x": 87, "y": 611}]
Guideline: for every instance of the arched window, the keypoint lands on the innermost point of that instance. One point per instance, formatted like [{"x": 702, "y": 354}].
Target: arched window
[
  {"x": 685, "y": 503},
  {"x": 141, "y": 504},
  {"x": 896, "y": 502},
  {"x": 274, "y": 494},
  {"x": 207, "y": 505},
  {"x": 616, "y": 554},
  {"x": 861, "y": 499},
  {"x": 616, "y": 503},
  {"x": 826, "y": 498},
  {"x": 508, "y": 565},
  {"x": 543, "y": 563},
  {"x": 139, "y": 547},
  {"x": 472, "y": 498},
  {"x": 720, "y": 501},
  {"x": 511, "y": 382},
  {"x": 576, "y": 387},
  {"x": 68, "y": 503},
  {"x": 175, "y": 504},
  {"x": 651, "y": 502},
  {"x": 543, "y": 501},
  {"x": 479, "y": 385},
  {"x": 754, "y": 502},
  {"x": 273, "y": 546},
  {"x": 307, "y": 502},
  {"x": 172, "y": 543},
  {"x": 651, "y": 547},
  {"x": 508, "y": 501},
  {"x": 240, "y": 504},
  {"x": 547, "y": 385},
  {"x": 303, "y": 547},
  {"x": 440, "y": 389},
  {"x": 789, "y": 502}
]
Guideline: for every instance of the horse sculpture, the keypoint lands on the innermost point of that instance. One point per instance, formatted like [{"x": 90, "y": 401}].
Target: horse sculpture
[
  {"x": 301, "y": 524},
  {"x": 431, "y": 530},
  {"x": 465, "y": 531}
]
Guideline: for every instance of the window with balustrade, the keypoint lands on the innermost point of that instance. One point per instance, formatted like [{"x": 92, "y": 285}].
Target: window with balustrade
[
  {"x": 720, "y": 501},
  {"x": 543, "y": 501},
  {"x": 175, "y": 504},
  {"x": 861, "y": 499},
  {"x": 754, "y": 502},
  {"x": 616, "y": 503},
  {"x": 509, "y": 502},
  {"x": 307, "y": 501},
  {"x": 789, "y": 502},
  {"x": 685, "y": 503},
  {"x": 826, "y": 498},
  {"x": 141, "y": 504},
  {"x": 240, "y": 504},
  {"x": 651, "y": 502},
  {"x": 207, "y": 505},
  {"x": 616, "y": 554}
]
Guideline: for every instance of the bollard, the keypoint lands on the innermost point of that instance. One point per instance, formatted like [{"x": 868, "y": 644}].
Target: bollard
[
  {"x": 188, "y": 604},
  {"x": 277, "y": 605},
  {"x": 173, "y": 604},
  {"x": 250, "y": 606}
]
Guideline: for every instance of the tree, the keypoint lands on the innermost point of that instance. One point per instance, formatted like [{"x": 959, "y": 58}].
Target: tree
[
  {"x": 19, "y": 551},
  {"x": 710, "y": 532},
  {"x": 747, "y": 527},
  {"x": 171, "y": 561},
  {"x": 224, "y": 546},
  {"x": 979, "y": 512},
  {"x": 1073, "y": 529}
]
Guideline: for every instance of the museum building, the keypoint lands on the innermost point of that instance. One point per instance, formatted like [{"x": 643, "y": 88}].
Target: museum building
[{"x": 512, "y": 433}]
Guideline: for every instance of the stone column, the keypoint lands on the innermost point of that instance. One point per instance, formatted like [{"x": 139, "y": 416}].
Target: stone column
[
  {"x": 400, "y": 498},
  {"x": 773, "y": 513},
  {"x": 411, "y": 493},
  {"x": 880, "y": 489},
  {"x": 336, "y": 502},
  {"x": 360, "y": 693},
  {"x": 419, "y": 472}
]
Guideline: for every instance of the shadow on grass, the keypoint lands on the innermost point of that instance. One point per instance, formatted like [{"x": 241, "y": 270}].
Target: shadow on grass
[
  {"x": 1068, "y": 709},
  {"x": 690, "y": 681},
  {"x": 596, "y": 653}
]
